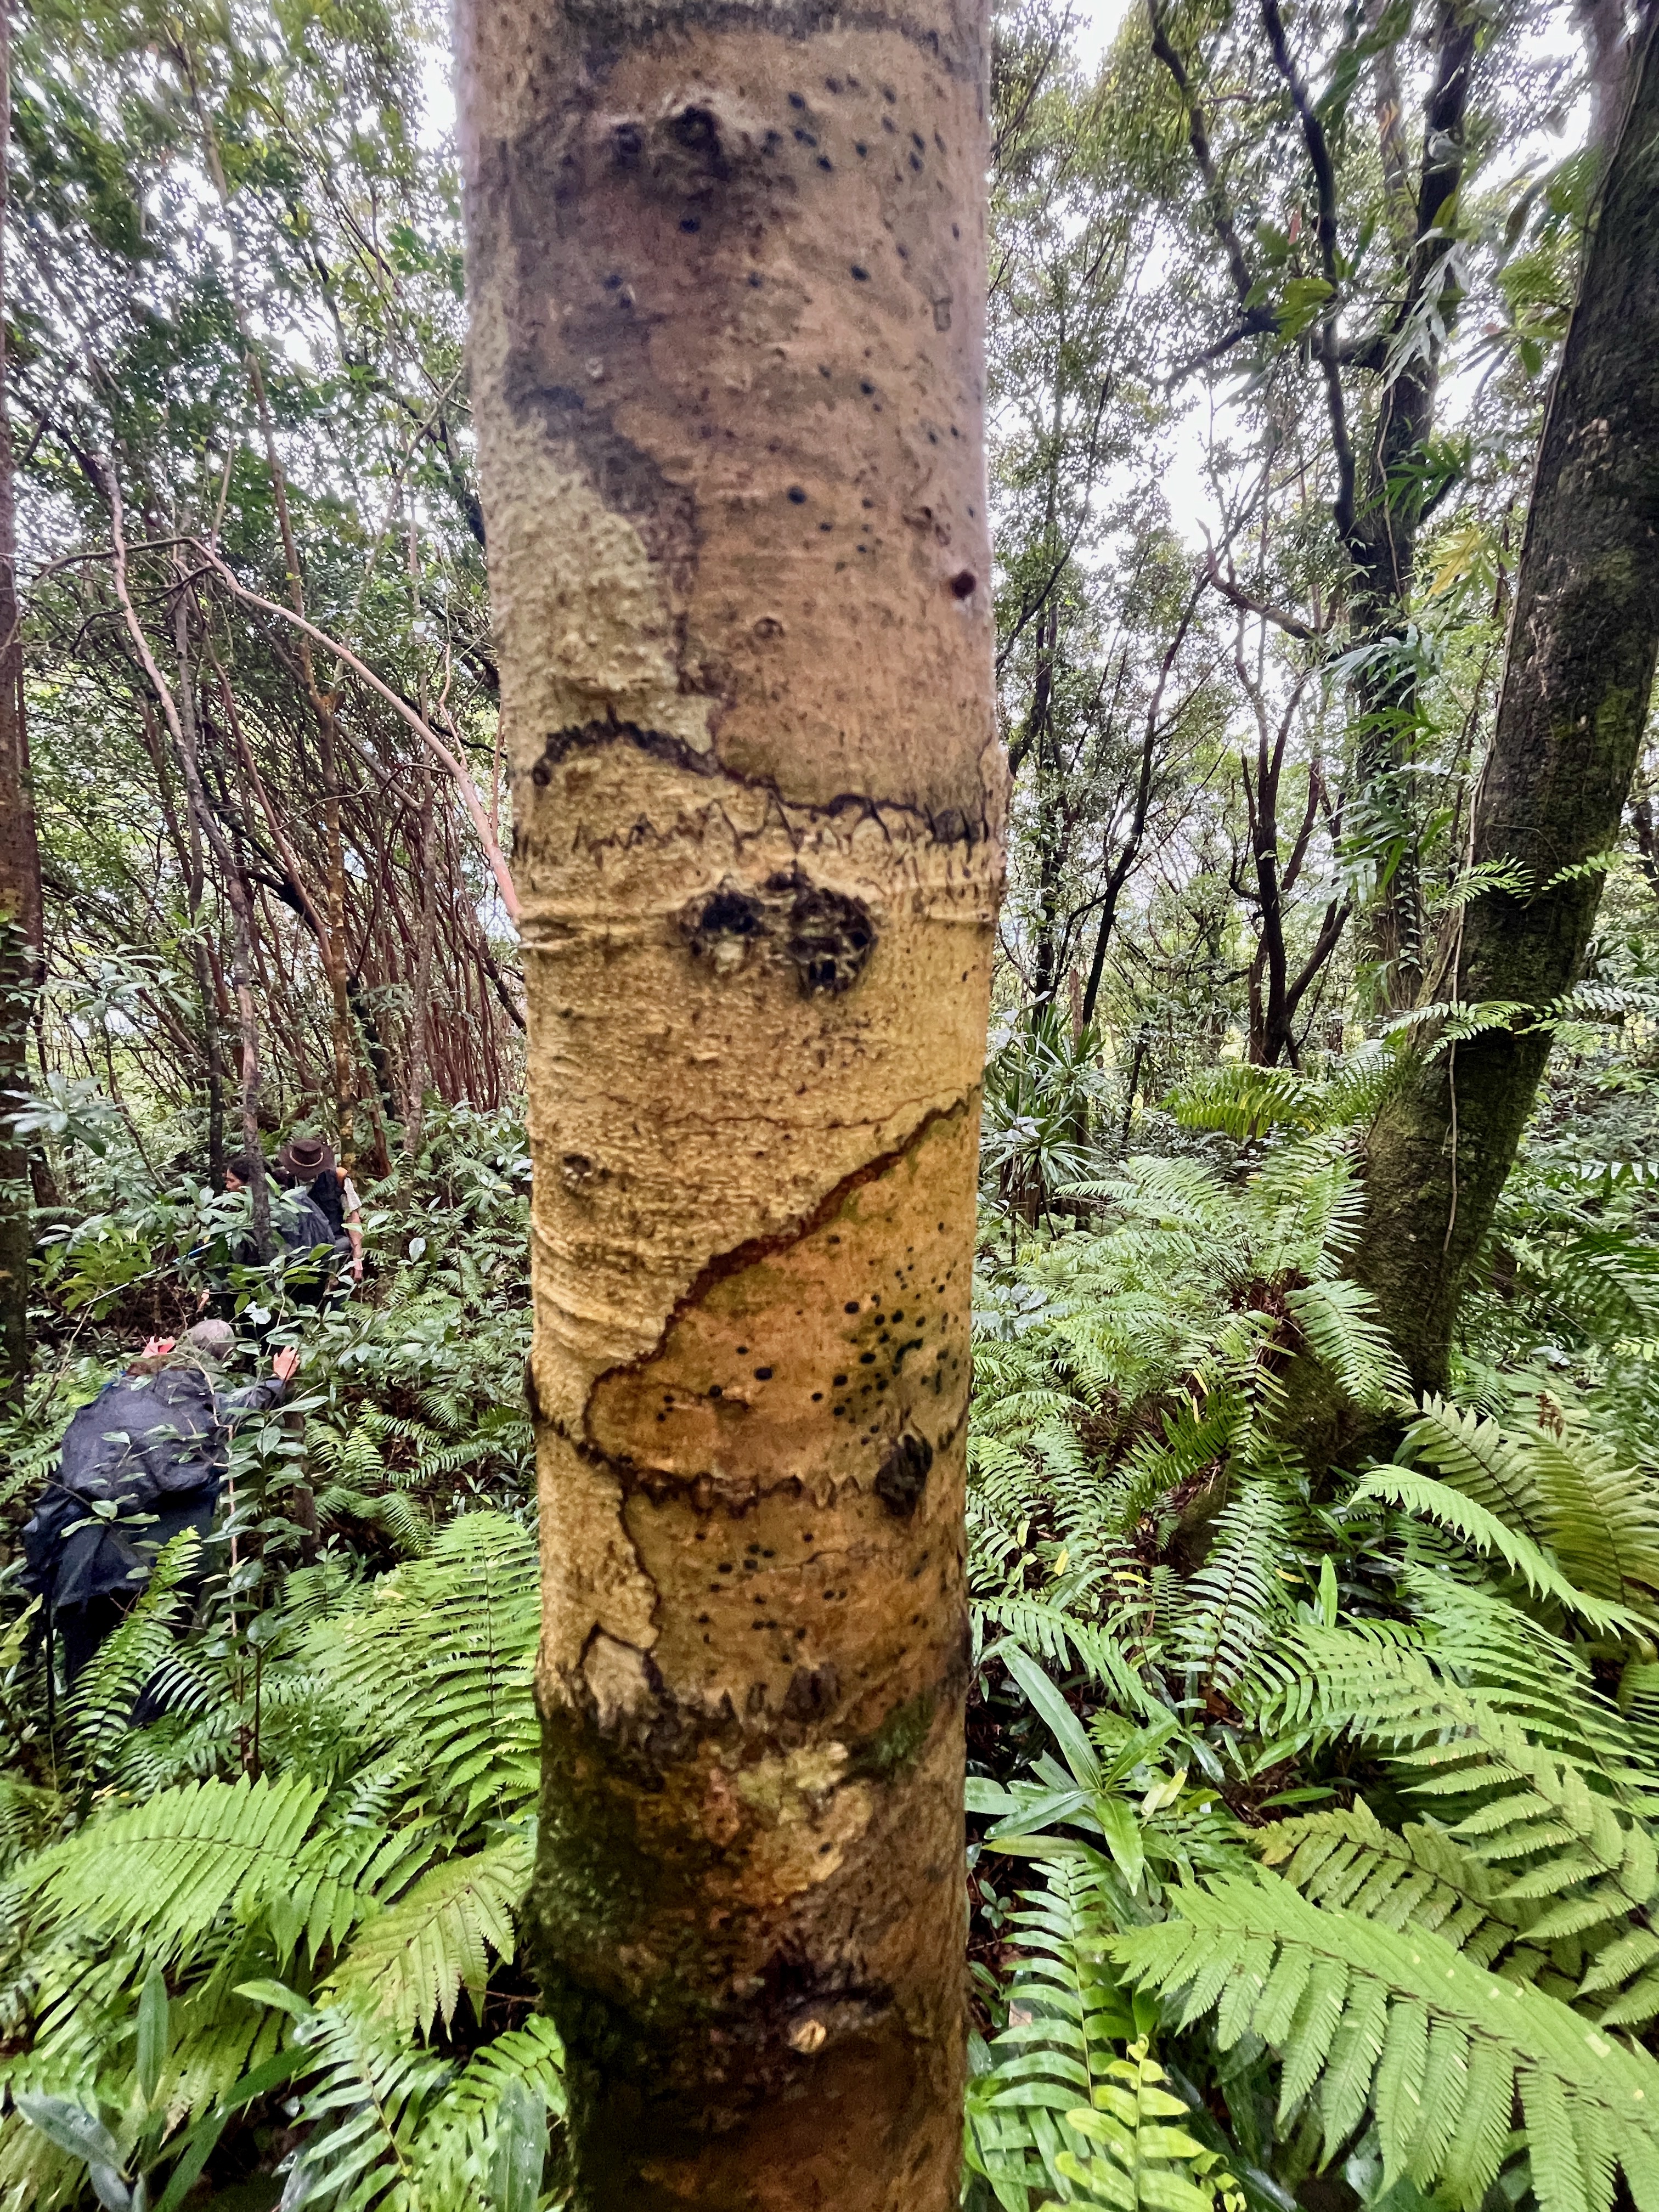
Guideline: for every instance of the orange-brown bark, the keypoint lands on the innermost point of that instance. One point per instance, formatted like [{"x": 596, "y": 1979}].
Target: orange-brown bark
[{"x": 728, "y": 284}]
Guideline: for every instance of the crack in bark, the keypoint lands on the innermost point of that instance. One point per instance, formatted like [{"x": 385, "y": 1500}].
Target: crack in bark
[{"x": 949, "y": 826}]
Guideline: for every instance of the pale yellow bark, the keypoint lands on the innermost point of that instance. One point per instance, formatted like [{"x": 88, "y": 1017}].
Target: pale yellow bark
[{"x": 727, "y": 270}]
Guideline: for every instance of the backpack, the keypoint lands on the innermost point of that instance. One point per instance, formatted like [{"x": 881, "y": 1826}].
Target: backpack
[{"x": 151, "y": 1445}]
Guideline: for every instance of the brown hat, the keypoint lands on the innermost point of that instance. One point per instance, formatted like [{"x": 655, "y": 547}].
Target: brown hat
[{"x": 305, "y": 1154}]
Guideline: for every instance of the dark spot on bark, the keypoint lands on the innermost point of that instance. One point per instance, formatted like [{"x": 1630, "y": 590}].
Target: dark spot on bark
[
  {"x": 860, "y": 273},
  {"x": 812, "y": 1693},
  {"x": 695, "y": 127},
  {"x": 903, "y": 1474},
  {"x": 858, "y": 147},
  {"x": 690, "y": 222},
  {"x": 831, "y": 938},
  {"x": 804, "y": 138},
  {"x": 796, "y": 496},
  {"x": 795, "y": 100},
  {"x": 963, "y": 584},
  {"x": 866, "y": 388},
  {"x": 715, "y": 1390},
  {"x": 627, "y": 142},
  {"x": 762, "y": 1375},
  {"x": 816, "y": 1396},
  {"x": 915, "y": 161},
  {"x": 824, "y": 162},
  {"x": 755, "y": 278},
  {"x": 719, "y": 925},
  {"x": 836, "y": 1381}
]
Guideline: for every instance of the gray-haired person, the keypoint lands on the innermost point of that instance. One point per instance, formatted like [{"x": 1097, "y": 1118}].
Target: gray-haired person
[{"x": 155, "y": 1444}]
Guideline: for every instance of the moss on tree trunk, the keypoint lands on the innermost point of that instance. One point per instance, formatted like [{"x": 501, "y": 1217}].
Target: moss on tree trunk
[{"x": 727, "y": 273}]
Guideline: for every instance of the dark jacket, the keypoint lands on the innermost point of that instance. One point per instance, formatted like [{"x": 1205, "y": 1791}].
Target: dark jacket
[
  {"x": 312, "y": 1255},
  {"x": 155, "y": 1444}
]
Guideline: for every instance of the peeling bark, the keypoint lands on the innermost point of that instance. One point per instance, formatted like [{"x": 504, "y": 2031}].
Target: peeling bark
[{"x": 726, "y": 274}]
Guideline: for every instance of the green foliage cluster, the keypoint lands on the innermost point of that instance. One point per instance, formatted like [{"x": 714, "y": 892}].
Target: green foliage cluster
[
  {"x": 278, "y": 1831},
  {"x": 1340, "y": 1789}
]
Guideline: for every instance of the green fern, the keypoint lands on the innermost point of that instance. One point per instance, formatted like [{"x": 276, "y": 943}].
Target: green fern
[
  {"x": 1401, "y": 2024},
  {"x": 410, "y": 1962}
]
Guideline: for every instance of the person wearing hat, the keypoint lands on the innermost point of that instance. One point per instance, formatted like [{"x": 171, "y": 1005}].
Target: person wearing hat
[
  {"x": 307, "y": 1162},
  {"x": 142, "y": 1461}
]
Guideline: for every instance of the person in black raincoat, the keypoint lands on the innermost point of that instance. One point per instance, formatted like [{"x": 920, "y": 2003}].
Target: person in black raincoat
[{"x": 155, "y": 1443}]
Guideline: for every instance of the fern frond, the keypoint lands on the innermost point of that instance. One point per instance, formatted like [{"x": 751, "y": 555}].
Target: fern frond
[
  {"x": 410, "y": 1962},
  {"x": 1451, "y": 1508},
  {"x": 1331, "y": 1993},
  {"x": 165, "y": 1870}
]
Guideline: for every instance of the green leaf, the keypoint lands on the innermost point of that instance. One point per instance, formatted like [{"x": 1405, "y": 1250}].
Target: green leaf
[
  {"x": 515, "y": 2178},
  {"x": 1064, "y": 1725},
  {"x": 153, "y": 2036},
  {"x": 71, "y": 2127}
]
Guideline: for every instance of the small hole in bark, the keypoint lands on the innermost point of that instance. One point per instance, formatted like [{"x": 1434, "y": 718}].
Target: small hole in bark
[
  {"x": 963, "y": 584},
  {"x": 715, "y": 1390},
  {"x": 861, "y": 273},
  {"x": 817, "y": 1397},
  {"x": 858, "y": 147},
  {"x": 795, "y": 100},
  {"x": 796, "y": 496},
  {"x": 755, "y": 278},
  {"x": 626, "y": 140},
  {"x": 762, "y": 1375},
  {"x": 690, "y": 222}
]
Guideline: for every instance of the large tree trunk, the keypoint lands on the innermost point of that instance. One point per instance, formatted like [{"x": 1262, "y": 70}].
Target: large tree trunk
[
  {"x": 728, "y": 290},
  {"x": 1575, "y": 697},
  {"x": 20, "y": 865}
]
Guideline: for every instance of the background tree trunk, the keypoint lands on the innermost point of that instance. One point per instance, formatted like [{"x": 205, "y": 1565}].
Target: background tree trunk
[
  {"x": 1576, "y": 691},
  {"x": 19, "y": 864},
  {"x": 727, "y": 292}
]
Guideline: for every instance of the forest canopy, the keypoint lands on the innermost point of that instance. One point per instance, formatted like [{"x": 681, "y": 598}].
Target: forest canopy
[{"x": 1281, "y": 737}]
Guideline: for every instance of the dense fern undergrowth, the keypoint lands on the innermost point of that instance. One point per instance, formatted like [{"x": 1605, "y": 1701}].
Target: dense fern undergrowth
[{"x": 1313, "y": 1807}]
